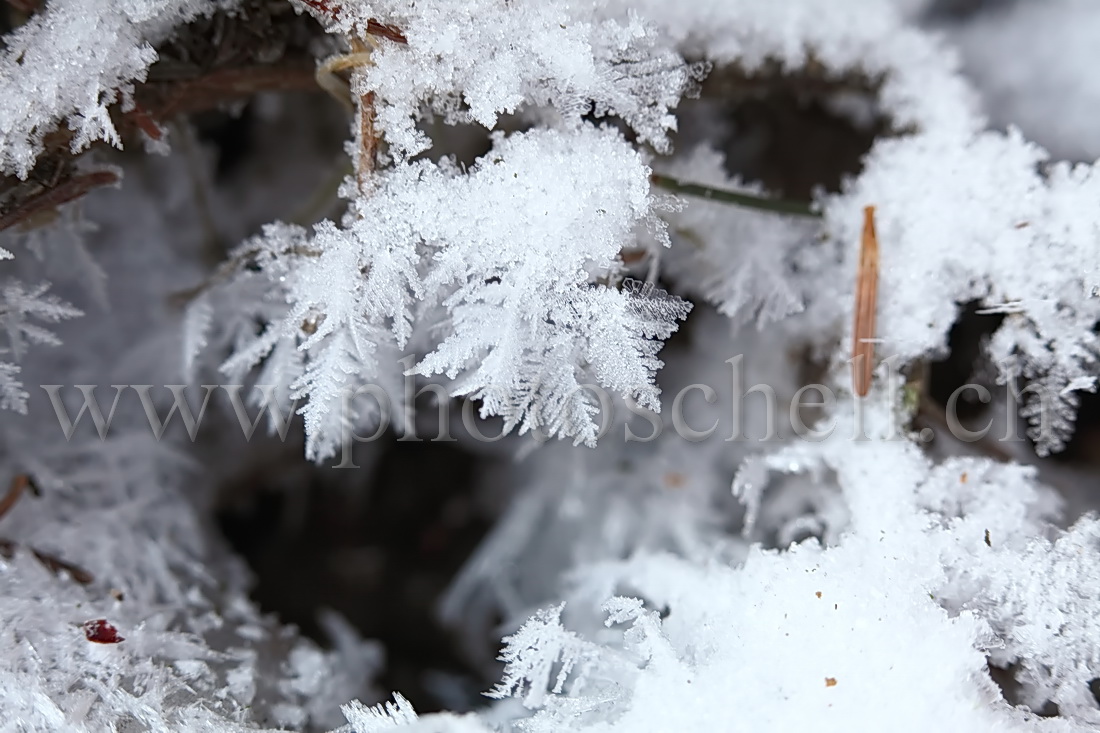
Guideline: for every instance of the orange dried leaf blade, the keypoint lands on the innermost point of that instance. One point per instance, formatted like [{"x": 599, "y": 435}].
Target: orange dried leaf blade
[{"x": 863, "y": 347}]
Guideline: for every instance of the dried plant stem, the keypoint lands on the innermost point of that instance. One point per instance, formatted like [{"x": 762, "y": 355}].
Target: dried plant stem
[
  {"x": 778, "y": 206},
  {"x": 48, "y": 200},
  {"x": 210, "y": 90},
  {"x": 226, "y": 270},
  {"x": 366, "y": 136},
  {"x": 863, "y": 344},
  {"x": 141, "y": 119},
  {"x": 25, "y": 6},
  {"x": 51, "y": 562},
  {"x": 333, "y": 84},
  {"x": 163, "y": 99},
  {"x": 367, "y": 145},
  {"x": 18, "y": 484},
  {"x": 330, "y": 10}
]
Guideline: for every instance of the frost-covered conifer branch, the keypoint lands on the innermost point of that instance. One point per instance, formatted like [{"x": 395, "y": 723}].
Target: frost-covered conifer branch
[{"x": 391, "y": 230}]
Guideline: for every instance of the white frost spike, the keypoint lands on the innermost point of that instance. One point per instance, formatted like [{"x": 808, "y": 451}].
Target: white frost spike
[
  {"x": 1079, "y": 384},
  {"x": 196, "y": 327},
  {"x": 380, "y": 717}
]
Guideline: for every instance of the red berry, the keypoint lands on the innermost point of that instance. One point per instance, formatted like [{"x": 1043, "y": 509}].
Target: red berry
[{"x": 101, "y": 632}]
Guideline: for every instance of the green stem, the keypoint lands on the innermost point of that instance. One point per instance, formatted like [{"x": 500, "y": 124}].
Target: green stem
[{"x": 779, "y": 206}]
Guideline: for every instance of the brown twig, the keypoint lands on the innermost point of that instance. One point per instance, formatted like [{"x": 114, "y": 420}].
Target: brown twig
[
  {"x": 225, "y": 85},
  {"x": 374, "y": 27},
  {"x": 25, "y": 6},
  {"x": 366, "y": 137},
  {"x": 384, "y": 30},
  {"x": 51, "y": 198},
  {"x": 144, "y": 122},
  {"x": 18, "y": 484},
  {"x": 367, "y": 142},
  {"x": 324, "y": 7},
  {"x": 162, "y": 100},
  {"x": 56, "y": 565},
  {"x": 22, "y": 482}
]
